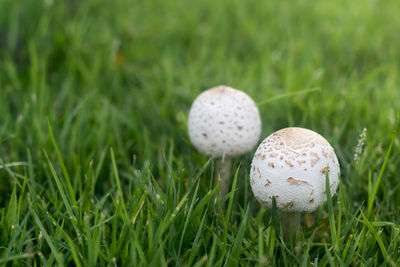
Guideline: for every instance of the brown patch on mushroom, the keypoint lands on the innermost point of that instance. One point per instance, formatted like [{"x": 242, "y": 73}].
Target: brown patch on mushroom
[
  {"x": 311, "y": 199},
  {"x": 295, "y": 135},
  {"x": 289, "y": 163},
  {"x": 252, "y": 181},
  {"x": 271, "y": 164},
  {"x": 218, "y": 90},
  {"x": 305, "y": 169},
  {"x": 267, "y": 183},
  {"x": 287, "y": 205},
  {"x": 275, "y": 196},
  {"x": 324, "y": 154},
  {"x": 263, "y": 157},
  {"x": 300, "y": 162},
  {"x": 281, "y": 158},
  {"x": 259, "y": 172},
  {"x": 294, "y": 152},
  {"x": 315, "y": 160},
  {"x": 205, "y": 135},
  {"x": 324, "y": 170},
  {"x": 273, "y": 155},
  {"x": 293, "y": 181}
]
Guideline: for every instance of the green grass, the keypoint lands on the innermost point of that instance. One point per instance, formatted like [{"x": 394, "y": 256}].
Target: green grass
[{"x": 96, "y": 167}]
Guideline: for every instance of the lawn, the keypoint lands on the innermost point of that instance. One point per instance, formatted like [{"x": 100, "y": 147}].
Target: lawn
[{"x": 96, "y": 165}]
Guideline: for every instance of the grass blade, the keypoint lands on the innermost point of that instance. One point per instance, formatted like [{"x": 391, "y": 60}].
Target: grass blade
[
  {"x": 54, "y": 251},
  {"x": 62, "y": 166},
  {"x": 274, "y": 98},
  {"x": 371, "y": 197}
]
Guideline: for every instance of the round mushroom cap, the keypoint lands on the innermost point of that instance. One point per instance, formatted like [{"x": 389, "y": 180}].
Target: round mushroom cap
[
  {"x": 224, "y": 121},
  {"x": 291, "y": 165}
]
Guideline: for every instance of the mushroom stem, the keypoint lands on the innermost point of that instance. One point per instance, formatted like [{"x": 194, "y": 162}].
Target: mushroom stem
[
  {"x": 223, "y": 172},
  {"x": 290, "y": 224}
]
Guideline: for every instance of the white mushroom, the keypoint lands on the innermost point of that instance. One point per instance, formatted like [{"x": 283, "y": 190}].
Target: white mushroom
[
  {"x": 291, "y": 165},
  {"x": 223, "y": 123}
]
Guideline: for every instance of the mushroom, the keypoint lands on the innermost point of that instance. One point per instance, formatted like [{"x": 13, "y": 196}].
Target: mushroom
[
  {"x": 223, "y": 123},
  {"x": 291, "y": 166}
]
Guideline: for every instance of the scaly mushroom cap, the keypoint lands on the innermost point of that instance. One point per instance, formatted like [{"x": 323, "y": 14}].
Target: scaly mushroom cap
[
  {"x": 223, "y": 120},
  {"x": 291, "y": 164}
]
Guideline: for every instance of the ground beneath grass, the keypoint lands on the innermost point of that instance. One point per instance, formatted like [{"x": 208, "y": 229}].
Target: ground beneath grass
[{"x": 96, "y": 167}]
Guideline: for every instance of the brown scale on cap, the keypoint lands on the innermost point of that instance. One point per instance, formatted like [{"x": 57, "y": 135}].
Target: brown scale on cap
[
  {"x": 293, "y": 181},
  {"x": 271, "y": 164},
  {"x": 293, "y": 137},
  {"x": 311, "y": 200},
  {"x": 324, "y": 170},
  {"x": 287, "y": 205},
  {"x": 300, "y": 162},
  {"x": 289, "y": 163},
  {"x": 315, "y": 159},
  {"x": 218, "y": 90},
  {"x": 293, "y": 152},
  {"x": 267, "y": 183},
  {"x": 279, "y": 147},
  {"x": 258, "y": 155}
]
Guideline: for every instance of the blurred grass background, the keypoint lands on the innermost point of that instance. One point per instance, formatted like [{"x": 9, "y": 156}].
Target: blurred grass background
[{"x": 123, "y": 74}]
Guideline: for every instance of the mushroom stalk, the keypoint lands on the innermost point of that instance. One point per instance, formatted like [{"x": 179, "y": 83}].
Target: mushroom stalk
[
  {"x": 223, "y": 172},
  {"x": 290, "y": 224}
]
